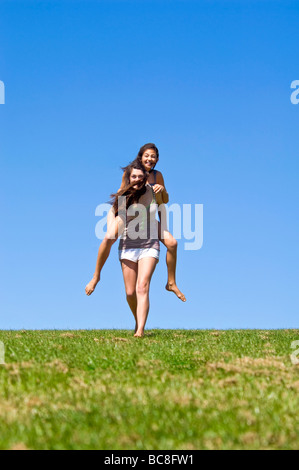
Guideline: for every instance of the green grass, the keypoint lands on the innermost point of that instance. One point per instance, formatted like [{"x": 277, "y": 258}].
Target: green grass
[{"x": 173, "y": 389}]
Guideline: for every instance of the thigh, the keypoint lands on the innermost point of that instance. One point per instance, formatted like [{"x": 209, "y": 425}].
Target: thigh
[
  {"x": 146, "y": 268},
  {"x": 162, "y": 224},
  {"x": 110, "y": 218},
  {"x": 130, "y": 271}
]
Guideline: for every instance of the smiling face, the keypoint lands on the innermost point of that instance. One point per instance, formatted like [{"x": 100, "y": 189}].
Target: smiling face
[
  {"x": 149, "y": 159},
  {"x": 137, "y": 176}
]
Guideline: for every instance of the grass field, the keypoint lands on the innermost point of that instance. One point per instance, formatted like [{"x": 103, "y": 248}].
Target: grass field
[{"x": 173, "y": 389}]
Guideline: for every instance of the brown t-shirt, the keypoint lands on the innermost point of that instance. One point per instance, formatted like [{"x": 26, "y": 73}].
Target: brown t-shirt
[{"x": 141, "y": 225}]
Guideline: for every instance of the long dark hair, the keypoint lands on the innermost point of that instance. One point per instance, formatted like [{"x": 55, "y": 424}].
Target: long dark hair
[{"x": 131, "y": 194}]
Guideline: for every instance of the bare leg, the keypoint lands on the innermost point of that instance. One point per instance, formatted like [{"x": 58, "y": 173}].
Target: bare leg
[
  {"x": 146, "y": 267},
  {"x": 103, "y": 254},
  {"x": 171, "y": 259},
  {"x": 130, "y": 270},
  {"x": 114, "y": 230}
]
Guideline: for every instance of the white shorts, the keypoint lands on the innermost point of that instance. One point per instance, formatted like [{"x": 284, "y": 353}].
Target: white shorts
[{"x": 135, "y": 254}]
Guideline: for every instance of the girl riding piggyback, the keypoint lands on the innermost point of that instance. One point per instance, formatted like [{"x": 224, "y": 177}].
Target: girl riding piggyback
[{"x": 148, "y": 157}]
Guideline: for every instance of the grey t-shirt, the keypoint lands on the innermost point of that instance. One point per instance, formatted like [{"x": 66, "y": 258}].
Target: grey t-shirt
[{"x": 141, "y": 225}]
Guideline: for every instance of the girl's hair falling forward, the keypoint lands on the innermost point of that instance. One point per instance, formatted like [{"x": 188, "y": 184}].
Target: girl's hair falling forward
[{"x": 131, "y": 194}]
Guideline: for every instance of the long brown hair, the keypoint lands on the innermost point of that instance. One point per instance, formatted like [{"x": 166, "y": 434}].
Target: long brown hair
[{"x": 131, "y": 194}]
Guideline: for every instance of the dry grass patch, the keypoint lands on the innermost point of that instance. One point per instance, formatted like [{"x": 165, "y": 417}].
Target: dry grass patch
[
  {"x": 32, "y": 402},
  {"x": 19, "y": 446},
  {"x": 228, "y": 382},
  {"x": 249, "y": 438},
  {"x": 8, "y": 411},
  {"x": 247, "y": 415},
  {"x": 129, "y": 440},
  {"x": 68, "y": 335},
  {"x": 247, "y": 365},
  {"x": 77, "y": 383},
  {"x": 213, "y": 444},
  {"x": 149, "y": 364},
  {"x": 294, "y": 386},
  {"x": 58, "y": 365}
]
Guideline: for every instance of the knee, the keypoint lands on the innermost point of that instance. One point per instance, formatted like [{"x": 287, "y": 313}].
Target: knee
[
  {"x": 131, "y": 294},
  {"x": 142, "y": 287},
  {"x": 171, "y": 244},
  {"x": 108, "y": 241}
]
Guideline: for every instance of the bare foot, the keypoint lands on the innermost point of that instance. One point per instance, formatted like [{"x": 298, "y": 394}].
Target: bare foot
[
  {"x": 139, "y": 334},
  {"x": 174, "y": 288},
  {"x": 91, "y": 286}
]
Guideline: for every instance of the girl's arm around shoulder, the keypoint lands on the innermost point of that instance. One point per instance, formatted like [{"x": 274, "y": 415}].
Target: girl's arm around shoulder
[
  {"x": 160, "y": 183},
  {"x": 159, "y": 199}
]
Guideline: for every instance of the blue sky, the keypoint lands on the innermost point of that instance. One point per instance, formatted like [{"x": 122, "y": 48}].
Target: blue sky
[{"x": 87, "y": 83}]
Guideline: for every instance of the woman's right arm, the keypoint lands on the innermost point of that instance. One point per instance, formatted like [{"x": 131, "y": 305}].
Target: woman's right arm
[
  {"x": 123, "y": 182},
  {"x": 111, "y": 216}
]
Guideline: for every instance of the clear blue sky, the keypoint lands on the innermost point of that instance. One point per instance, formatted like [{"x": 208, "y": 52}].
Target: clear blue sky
[{"x": 89, "y": 82}]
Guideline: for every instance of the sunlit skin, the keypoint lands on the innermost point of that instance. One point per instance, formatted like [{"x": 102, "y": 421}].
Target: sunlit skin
[{"x": 137, "y": 276}]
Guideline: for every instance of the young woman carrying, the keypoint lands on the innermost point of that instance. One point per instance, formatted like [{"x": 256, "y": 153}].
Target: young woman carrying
[
  {"x": 148, "y": 156},
  {"x": 138, "y": 256}
]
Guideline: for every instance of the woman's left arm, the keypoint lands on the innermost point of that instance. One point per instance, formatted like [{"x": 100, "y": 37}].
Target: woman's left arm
[{"x": 160, "y": 188}]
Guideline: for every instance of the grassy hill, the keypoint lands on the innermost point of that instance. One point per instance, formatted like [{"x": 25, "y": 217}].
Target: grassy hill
[{"x": 173, "y": 389}]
